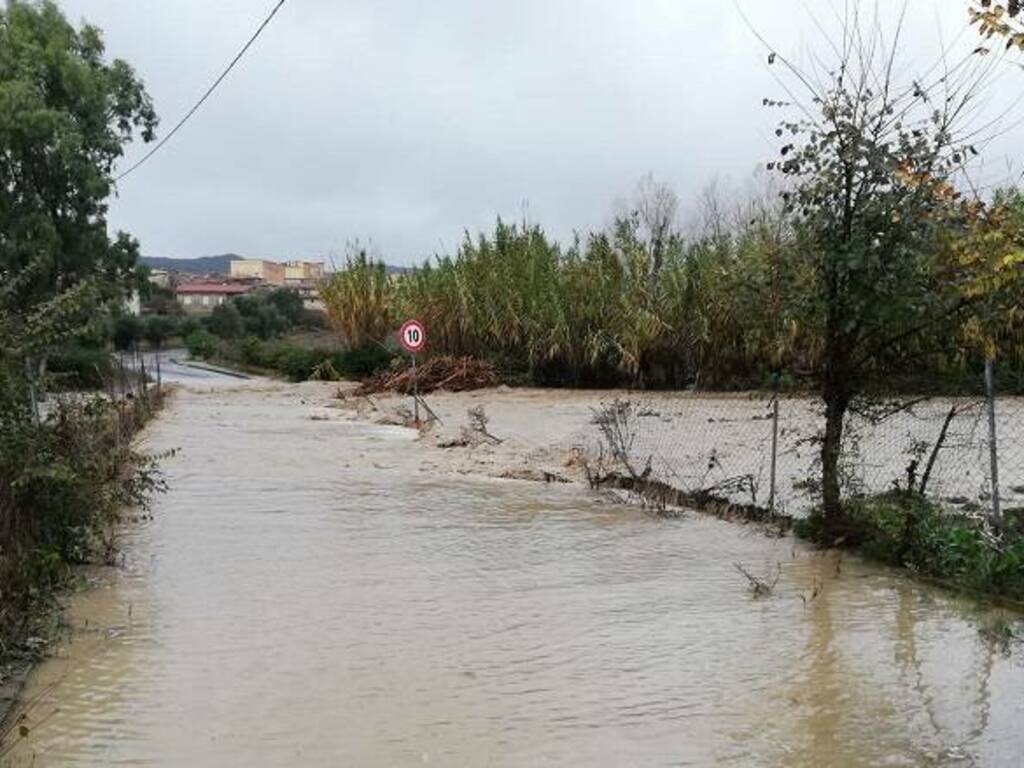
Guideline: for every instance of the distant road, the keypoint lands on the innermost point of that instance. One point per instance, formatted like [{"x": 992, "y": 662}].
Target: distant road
[{"x": 175, "y": 368}]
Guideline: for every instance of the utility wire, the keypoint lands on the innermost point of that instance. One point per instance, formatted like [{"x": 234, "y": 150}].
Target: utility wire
[{"x": 209, "y": 92}]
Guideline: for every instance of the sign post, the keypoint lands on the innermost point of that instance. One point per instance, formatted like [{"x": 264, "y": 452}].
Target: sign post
[{"x": 413, "y": 337}]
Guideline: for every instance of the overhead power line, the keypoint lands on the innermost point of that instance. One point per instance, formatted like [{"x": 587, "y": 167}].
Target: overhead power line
[{"x": 209, "y": 92}]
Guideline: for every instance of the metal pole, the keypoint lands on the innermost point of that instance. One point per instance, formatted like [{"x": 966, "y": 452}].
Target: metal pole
[
  {"x": 775, "y": 451},
  {"x": 993, "y": 451},
  {"x": 415, "y": 393}
]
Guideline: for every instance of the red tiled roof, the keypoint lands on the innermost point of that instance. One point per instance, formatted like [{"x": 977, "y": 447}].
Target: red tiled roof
[{"x": 214, "y": 288}]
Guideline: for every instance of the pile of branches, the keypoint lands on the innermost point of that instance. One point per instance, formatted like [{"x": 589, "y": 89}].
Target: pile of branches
[{"x": 454, "y": 374}]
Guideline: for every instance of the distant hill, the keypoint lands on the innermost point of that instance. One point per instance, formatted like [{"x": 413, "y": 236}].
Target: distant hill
[{"x": 201, "y": 265}]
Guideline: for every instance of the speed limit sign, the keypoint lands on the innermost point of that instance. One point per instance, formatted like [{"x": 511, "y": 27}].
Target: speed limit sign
[{"x": 412, "y": 336}]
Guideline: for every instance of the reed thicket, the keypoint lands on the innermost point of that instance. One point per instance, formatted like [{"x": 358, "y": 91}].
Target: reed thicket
[{"x": 723, "y": 308}]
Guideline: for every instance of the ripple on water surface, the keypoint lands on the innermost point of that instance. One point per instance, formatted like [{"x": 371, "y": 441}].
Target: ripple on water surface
[{"x": 307, "y": 595}]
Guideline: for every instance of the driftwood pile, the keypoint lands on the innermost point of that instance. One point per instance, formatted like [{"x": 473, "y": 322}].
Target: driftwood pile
[{"x": 454, "y": 374}]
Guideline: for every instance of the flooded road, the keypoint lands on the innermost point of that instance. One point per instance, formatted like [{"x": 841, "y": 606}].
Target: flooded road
[{"x": 309, "y": 593}]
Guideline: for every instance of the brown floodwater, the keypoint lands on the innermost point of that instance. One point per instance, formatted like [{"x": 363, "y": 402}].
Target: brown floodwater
[{"x": 310, "y": 593}]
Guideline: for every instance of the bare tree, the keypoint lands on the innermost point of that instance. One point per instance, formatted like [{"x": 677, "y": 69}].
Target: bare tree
[
  {"x": 656, "y": 208},
  {"x": 711, "y": 218}
]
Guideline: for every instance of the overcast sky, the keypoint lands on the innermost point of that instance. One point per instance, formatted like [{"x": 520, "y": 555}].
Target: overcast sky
[{"x": 405, "y": 122}]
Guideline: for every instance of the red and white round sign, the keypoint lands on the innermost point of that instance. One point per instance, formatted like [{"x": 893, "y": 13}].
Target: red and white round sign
[{"x": 412, "y": 336}]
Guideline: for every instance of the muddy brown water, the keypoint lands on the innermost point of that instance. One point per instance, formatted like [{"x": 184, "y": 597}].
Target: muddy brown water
[{"x": 310, "y": 594}]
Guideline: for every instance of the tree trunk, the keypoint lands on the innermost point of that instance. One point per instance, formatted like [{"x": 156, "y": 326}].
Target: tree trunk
[
  {"x": 657, "y": 259},
  {"x": 835, "y": 392},
  {"x": 836, "y": 403}
]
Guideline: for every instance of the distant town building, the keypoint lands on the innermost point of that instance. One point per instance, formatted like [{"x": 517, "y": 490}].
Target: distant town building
[
  {"x": 198, "y": 298},
  {"x": 160, "y": 277},
  {"x": 303, "y": 271},
  {"x": 268, "y": 271},
  {"x": 309, "y": 291}
]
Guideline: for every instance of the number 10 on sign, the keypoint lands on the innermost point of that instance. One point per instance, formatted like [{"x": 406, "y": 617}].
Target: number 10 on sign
[{"x": 412, "y": 336}]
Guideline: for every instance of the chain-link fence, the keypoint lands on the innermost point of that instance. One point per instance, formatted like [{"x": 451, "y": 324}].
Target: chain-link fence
[
  {"x": 761, "y": 450},
  {"x": 764, "y": 450}
]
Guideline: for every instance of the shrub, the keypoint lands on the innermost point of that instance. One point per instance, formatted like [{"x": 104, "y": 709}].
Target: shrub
[
  {"x": 252, "y": 352},
  {"x": 201, "y": 344},
  {"x": 288, "y": 303},
  {"x": 264, "y": 320},
  {"x": 189, "y": 326},
  {"x": 226, "y": 321},
  {"x": 159, "y": 328},
  {"x": 361, "y": 362},
  {"x": 63, "y": 486},
  {"x": 80, "y": 367},
  {"x": 298, "y": 363}
]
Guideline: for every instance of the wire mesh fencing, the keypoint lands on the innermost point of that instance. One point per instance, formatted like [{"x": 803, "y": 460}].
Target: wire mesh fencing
[{"x": 764, "y": 450}]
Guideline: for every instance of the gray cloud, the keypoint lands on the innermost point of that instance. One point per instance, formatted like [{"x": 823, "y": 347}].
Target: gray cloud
[{"x": 406, "y": 122}]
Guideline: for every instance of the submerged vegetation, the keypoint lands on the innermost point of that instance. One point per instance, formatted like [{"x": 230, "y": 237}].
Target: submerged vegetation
[
  {"x": 65, "y": 484},
  {"x": 905, "y": 529}
]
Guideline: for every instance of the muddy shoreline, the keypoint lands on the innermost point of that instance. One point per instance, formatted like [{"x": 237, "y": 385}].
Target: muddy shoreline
[
  {"x": 694, "y": 442},
  {"x": 15, "y": 674}
]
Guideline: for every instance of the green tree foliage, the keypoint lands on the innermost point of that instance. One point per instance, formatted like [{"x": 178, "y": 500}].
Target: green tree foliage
[
  {"x": 263, "y": 315},
  {"x": 127, "y": 332},
  {"x": 288, "y": 303},
  {"x": 201, "y": 344},
  {"x": 226, "y": 321},
  {"x": 157, "y": 329},
  {"x": 65, "y": 117},
  {"x": 870, "y": 164},
  {"x": 27, "y": 326},
  {"x": 260, "y": 317}
]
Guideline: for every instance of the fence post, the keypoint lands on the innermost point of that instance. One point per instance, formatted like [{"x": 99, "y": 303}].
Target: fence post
[
  {"x": 32, "y": 394},
  {"x": 775, "y": 449},
  {"x": 993, "y": 449}
]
